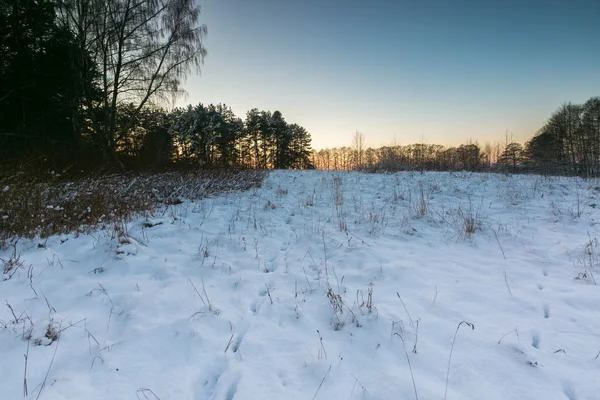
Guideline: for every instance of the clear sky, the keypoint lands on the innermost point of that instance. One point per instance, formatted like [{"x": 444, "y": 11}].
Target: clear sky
[{"x": 444, "y": 71}]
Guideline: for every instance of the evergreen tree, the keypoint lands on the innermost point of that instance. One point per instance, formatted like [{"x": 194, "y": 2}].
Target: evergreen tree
[
  {"x": 156, "y": 145},
  {"x": 266, "y": 140},
  {"x": 189, "y": 130},
  {"x": 512, "y": 156},
  {"x": 540, "y": 153},
  {"x": 253, "y": 136},
  {"x": 40, "y": 99},
  {"x": 281, "y": 140},
  {"x": 300, "y": 148},
  {"x": 228, "y": 134}
]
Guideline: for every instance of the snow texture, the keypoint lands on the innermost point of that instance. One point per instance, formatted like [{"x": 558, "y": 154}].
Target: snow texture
[{"x": 265, "y": 294}]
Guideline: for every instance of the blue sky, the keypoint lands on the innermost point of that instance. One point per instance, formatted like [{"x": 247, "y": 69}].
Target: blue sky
[{"x": 442, "y": 71}]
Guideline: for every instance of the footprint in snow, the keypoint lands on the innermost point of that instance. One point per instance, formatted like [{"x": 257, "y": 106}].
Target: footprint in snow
[
  {"x": 235, "y": 381},
  {"x": 235, "y": 346},
  {"x": 282, "y": 378},
  {"x": 237, "y": 340},
  {"x": 208, "y": 382},
  {"x": 233, "y": 384},
  {"x": 569, "y": 391},
  {"x": 535, "y": 340},
  {"x": 546, "y": 311},
  {"x": 254, "y": 306},
  {"x": 523, "y": 357},
  {"x": 286, "y": 245},
  {"x": 545, "y": 272},
  {"x": 257, "y": 303},
  {"x": 540, "y": 287},
  {"x": 226, "y": 387},
  {"x": 272, "y": 267}
]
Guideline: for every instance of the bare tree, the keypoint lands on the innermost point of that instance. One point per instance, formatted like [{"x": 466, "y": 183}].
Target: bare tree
[
  {"x": 487, "y": 149},
  {"x": 142, "y": 49},
  {"x": 358, "y": 148}
]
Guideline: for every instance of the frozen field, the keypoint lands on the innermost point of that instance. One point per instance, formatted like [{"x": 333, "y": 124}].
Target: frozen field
[{"x": 318, "y": 285}]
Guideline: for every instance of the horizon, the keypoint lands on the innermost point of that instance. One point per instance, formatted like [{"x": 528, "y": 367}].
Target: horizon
[{"x": 435, "y": 73}]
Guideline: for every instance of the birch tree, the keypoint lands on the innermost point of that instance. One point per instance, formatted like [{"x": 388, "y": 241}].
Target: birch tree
[{"x": 143, "y": 50}]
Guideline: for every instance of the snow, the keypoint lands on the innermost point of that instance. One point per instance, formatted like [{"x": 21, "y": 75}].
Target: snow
[{"x": 233, "y": 296}]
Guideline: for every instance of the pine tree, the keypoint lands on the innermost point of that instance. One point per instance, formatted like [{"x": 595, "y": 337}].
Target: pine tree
[
  {"x": 253, "y": 136},
  {"x": 266, "y": 140},
  {"x": 540, "y": 153},
  {"x": 40, "y": 99},
  {"x": 512, "y": 156},
  {"x": 300, "y": 148},
  {"x": 228, "y": 134},
  {"x": 281, "y": 139}
]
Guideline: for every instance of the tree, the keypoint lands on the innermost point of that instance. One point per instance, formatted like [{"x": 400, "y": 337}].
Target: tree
[
  {"x": 512, "y": 156},
  {"x": 565, "y": 125},
  {"x": 540, "y": 153},
  {"x": 144, "y": 49},
  {"x": 253, "y": 136},
  {"x": 358, "y": 148},
  {"x": 156, "y": 144},
  {"x": 299, "y": 148},
  {"x": 39, "y": 101},
  {"x": 266, "y": 139},
  {"x": 591, "y": 129},
  {"x": 569, "y": 142},
  {"x": 193, "y": 134},
  {"x": 281, "y": 140},
  {"x": 469, "y": 156},
  {"x": 488, "y": 151},
  {"x": 229, "y": 132}
]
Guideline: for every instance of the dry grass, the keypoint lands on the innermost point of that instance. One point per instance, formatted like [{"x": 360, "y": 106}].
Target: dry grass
[
  {"x": 338, "y": 194},
  {"x": 12, "y": 264},
  {"x": 337, "y": 305},
  {"x": 281, "y": 191},
  {"x": 423, "y": 203},
  {"x": 590, "y": 260},
  {"x": 30, "y": 209},
  {"x": 471, "y": 219}
]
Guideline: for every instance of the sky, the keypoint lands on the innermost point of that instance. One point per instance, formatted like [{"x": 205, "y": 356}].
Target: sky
[{"x": 431, "y": 71}]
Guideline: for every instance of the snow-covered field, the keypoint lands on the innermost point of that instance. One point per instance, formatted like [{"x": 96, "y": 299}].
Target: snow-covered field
[{"x": 319, "y": 285}]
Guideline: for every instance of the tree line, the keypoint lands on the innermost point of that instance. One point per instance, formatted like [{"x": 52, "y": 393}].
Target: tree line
[
  {"x": 214, "y": 136},
  {"x": 422, "y": 157},
  {"x": 567, "y": 144},
  {"x": 419, "y": 156},
  {"x": 88, "y": 82}
]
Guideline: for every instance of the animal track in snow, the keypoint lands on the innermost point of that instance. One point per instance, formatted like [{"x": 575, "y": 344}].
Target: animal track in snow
[
  {"x": 283, "y": 378},
  {"x": 535, "y": 340},
  {"x": 226, "y": 387},
  {"x": 207, "y": 383},
  {"x": 569, "y": 391},
  {"x": 235, "y": 380},
  {"x": 546, "y": 311},
  {"x": 237, "y": 341},
  {"x": 254, "y": 306}
]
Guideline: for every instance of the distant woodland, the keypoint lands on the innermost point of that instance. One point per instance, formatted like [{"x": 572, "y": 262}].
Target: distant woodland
[{"x": 568, "y": 144}]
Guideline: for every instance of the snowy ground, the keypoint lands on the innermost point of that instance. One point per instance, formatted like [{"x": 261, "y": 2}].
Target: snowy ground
[{"x": 265, "y": 295}]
